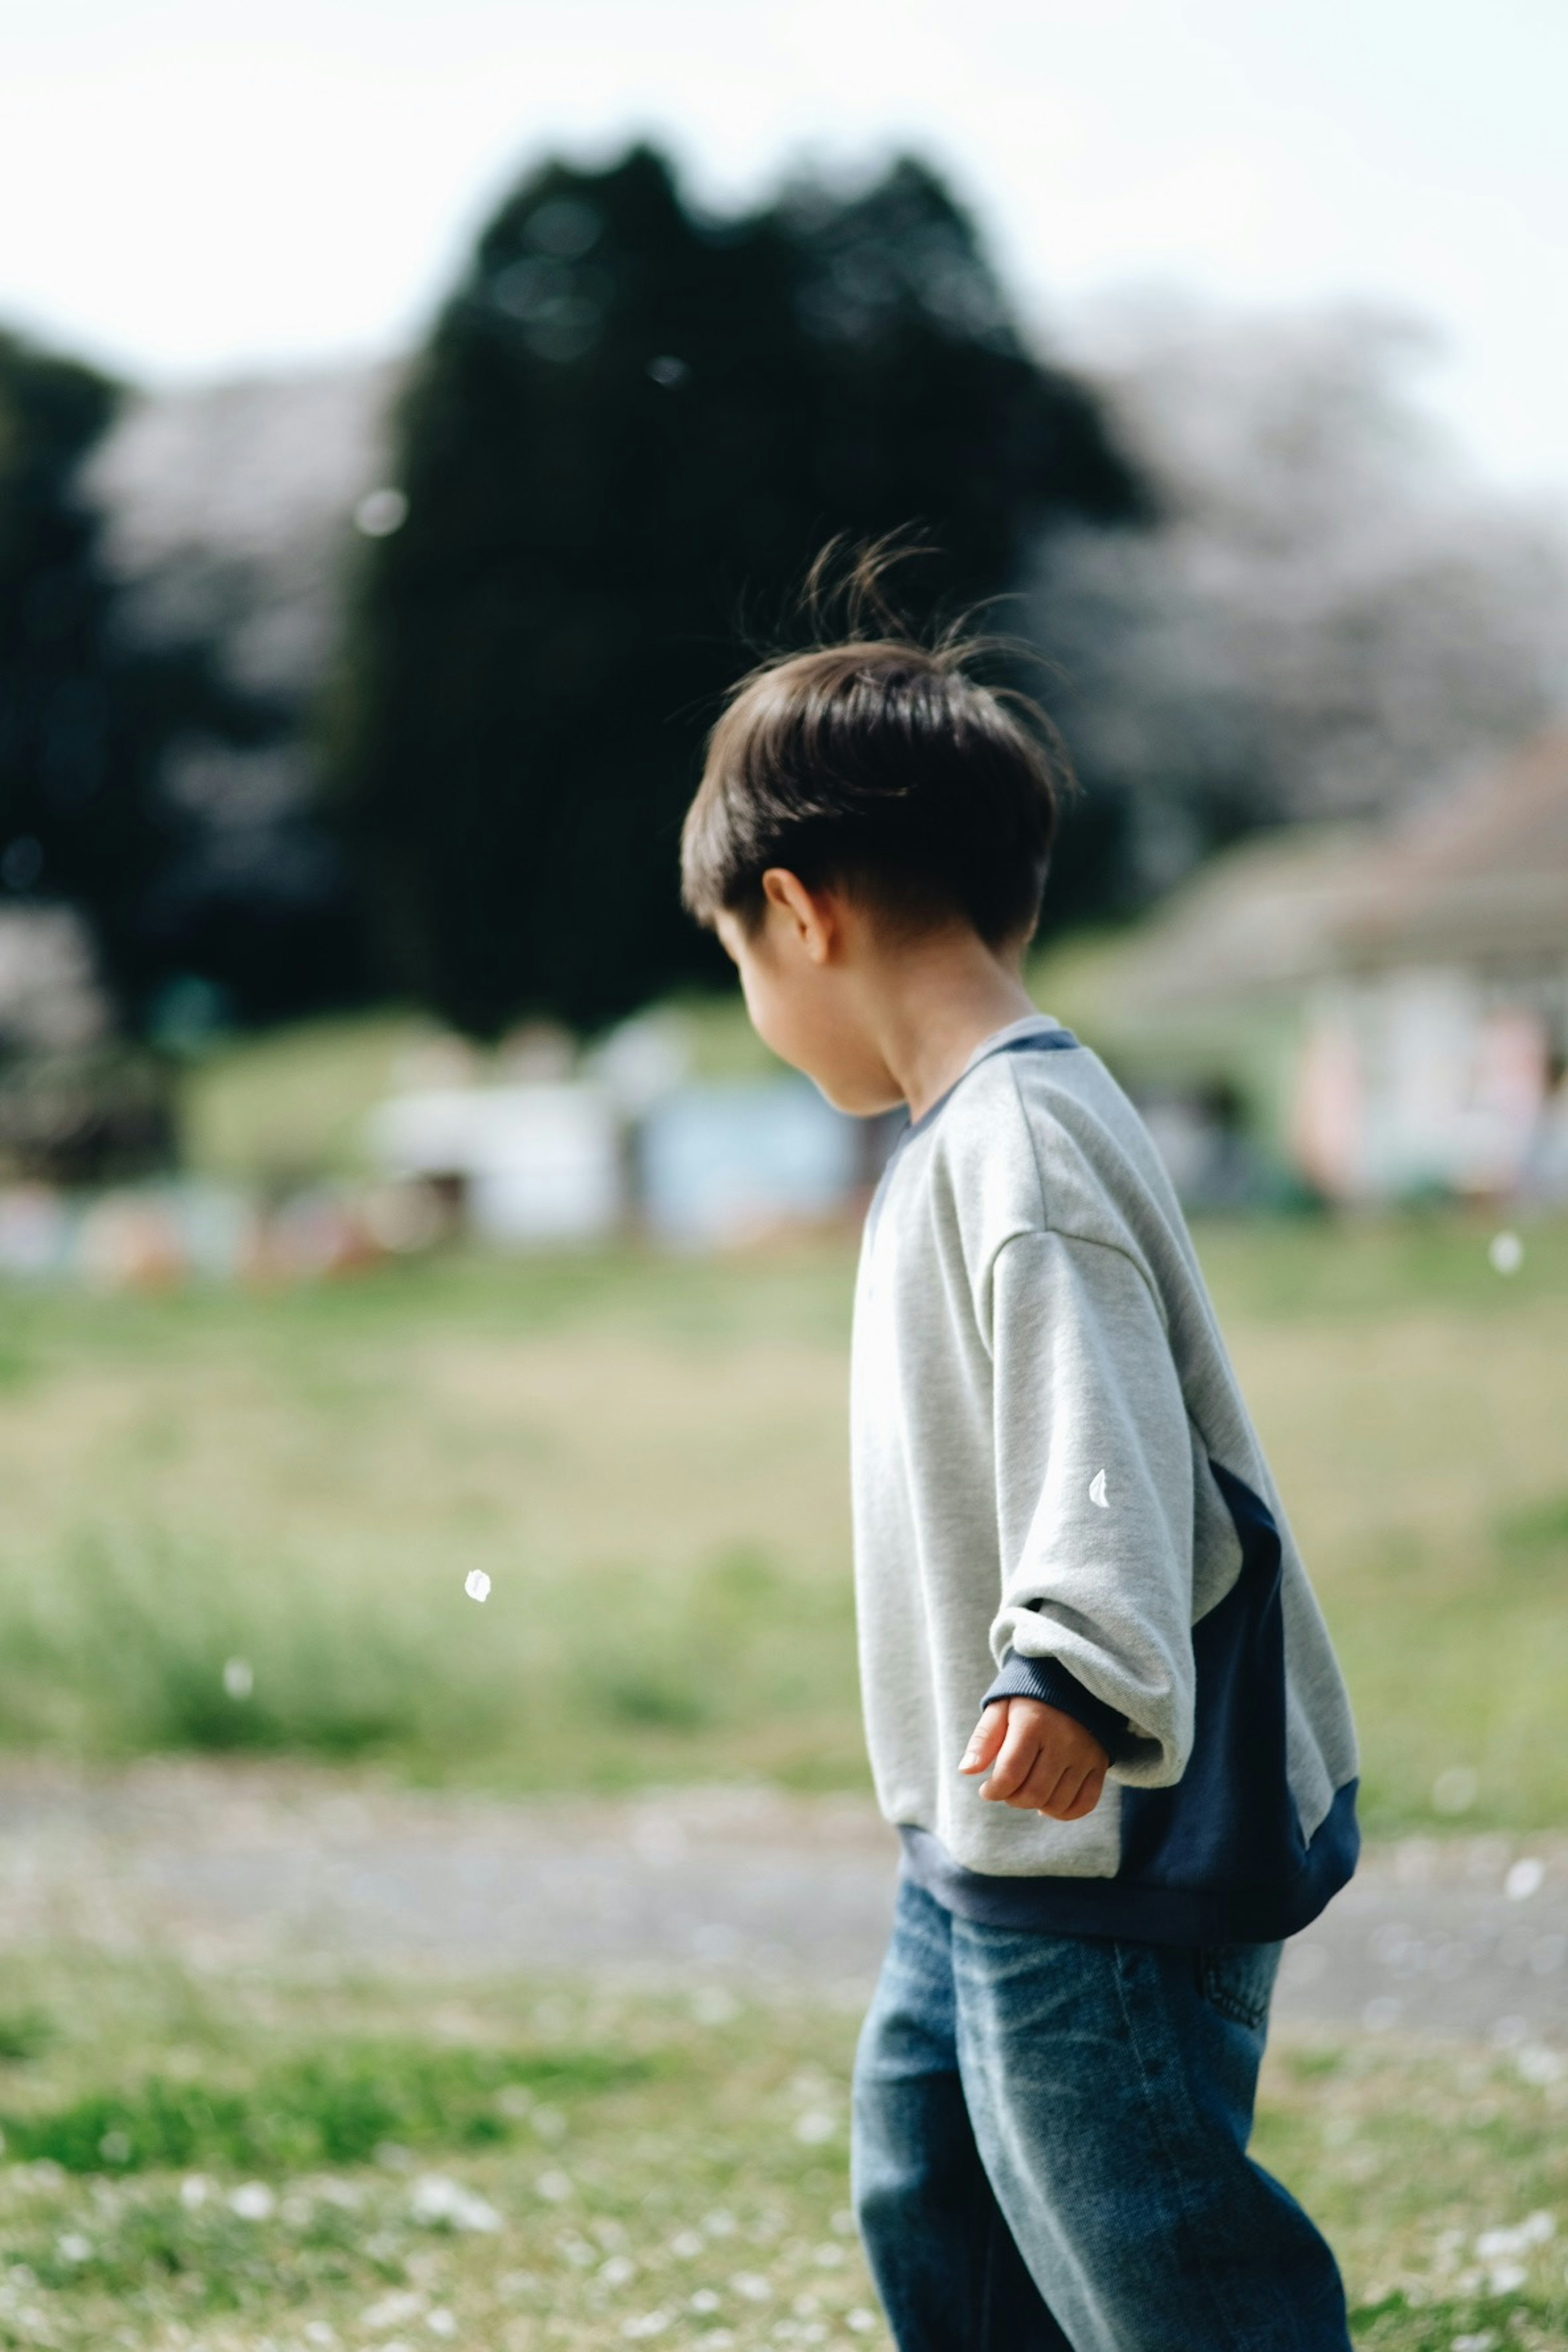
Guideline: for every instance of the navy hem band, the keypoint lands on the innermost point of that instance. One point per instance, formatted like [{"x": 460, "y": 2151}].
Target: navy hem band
[
  {"x": 1057, "y": 1685},
  {"x": 1123, "y": 1909}
]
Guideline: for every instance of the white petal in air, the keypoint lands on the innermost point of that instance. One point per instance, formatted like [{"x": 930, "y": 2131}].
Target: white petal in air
[
  {"x": 477, "y": 1584},
  {"x": 1097, "y": 1490}
]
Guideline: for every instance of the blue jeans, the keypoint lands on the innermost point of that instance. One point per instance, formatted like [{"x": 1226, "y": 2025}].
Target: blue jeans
[{"x": 1050, "y": 2149}]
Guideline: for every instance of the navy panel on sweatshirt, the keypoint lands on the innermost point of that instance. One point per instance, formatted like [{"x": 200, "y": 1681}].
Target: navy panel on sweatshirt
[{"x": 1219, "y": 1857}]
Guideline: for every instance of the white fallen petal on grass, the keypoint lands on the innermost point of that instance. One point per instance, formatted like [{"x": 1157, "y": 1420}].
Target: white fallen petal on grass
[
  {"x": 441, "y": 2203},
  {"x": 239, "y": 1677},
  {"x": 752, "y": 2287},
  {"x": 555, "y": 2187},
  {"x": 392, "y": 2311},
  {"x": 441, "y": 2323},
  {"x": 477, "y": 1584},
  {"x": 1526, "y": 1877},
  {"x": 253, "y": 2201},
  {"x": 1537, "y": 2229},
  {"x": 73, "y": 2247},
  {"x": 1506, "y": 1252},
  {"x": 652, "y": 2322},
  {"x": 815, "y": 2127}
]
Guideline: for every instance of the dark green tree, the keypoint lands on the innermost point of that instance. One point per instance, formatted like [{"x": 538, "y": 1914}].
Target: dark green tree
[
  {"x": 94, "y": 722},
  {"x": 65, "y": 831},
  {"x": 632, "y": 428}
]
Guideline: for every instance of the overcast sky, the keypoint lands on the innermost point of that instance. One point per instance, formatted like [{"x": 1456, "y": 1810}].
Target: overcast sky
[{"x": 190, "y": 187}]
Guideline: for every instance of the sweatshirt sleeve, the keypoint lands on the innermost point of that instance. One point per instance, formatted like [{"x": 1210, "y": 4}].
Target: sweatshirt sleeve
[{"x": 1094, "y": 1490}]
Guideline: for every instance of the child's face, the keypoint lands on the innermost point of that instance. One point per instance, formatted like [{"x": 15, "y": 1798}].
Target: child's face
[{"x": 800, "y": 988}]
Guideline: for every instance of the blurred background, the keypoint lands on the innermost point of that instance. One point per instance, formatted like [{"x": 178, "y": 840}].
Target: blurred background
[
  {"x": 397, "y": 462},
  {"x": 411, "y": 420}
]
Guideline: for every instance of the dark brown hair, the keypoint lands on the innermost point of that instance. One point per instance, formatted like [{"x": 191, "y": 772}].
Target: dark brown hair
[{"x": 881, "y": 764}]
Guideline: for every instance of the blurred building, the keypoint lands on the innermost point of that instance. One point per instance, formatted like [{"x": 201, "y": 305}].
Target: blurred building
[
  {"x": 1391, "y": 1006},
  {"x": 523, "y": 1164},
  {"x": 703, "y": 1165}
]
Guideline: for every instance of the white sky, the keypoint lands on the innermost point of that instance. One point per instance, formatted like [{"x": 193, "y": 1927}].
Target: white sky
[{"x": 195, "y": 186}]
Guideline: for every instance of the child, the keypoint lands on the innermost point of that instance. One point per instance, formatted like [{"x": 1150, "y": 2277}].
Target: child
[{"x": 1073, "y": 1573}]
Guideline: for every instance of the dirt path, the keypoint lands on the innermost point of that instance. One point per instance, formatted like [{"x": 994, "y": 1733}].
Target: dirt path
[{"x": 232, "y": 1866}]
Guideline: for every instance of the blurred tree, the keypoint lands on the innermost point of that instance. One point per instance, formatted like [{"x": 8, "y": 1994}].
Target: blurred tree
[
  {"x": 113, "y": 748},
  {"x": 633, "y": 426},
  {"x": 1331, "y": 618},
  {"x": 67, "y": 830}
]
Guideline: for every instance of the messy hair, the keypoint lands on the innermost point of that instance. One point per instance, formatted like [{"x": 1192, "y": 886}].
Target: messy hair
[{"x": 879, "y": 763}]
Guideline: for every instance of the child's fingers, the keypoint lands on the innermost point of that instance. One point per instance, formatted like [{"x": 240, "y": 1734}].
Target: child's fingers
[
  {"x": 1049, "y": 1784},
  {"x": 1015, "y": 1759},
  {"x": 987, "y": 1737},
  {"x": 1082, "y": 1800}
]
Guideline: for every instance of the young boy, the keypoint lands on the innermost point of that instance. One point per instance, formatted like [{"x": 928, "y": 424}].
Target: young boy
[{"x": 1073, "y": 1574}]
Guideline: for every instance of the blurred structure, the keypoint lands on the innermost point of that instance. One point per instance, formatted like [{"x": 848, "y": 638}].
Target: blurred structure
[
  {"x": 632, "y": 1141},
  {"x": 1390, "y": 1004},
  {"x": 515, "y": 1165},
  {"x": 726, "y": 1163}
]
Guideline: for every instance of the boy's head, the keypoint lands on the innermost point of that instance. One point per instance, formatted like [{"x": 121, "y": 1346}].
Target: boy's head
[{"x": 863, "y": 805}]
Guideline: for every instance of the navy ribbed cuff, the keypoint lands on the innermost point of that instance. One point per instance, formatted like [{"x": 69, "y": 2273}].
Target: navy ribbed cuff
[{"x": 1049, "y": 1680}]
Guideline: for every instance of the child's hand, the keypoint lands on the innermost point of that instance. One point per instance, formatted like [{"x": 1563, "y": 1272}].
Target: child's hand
[{"x": 1039, "y": 1759}]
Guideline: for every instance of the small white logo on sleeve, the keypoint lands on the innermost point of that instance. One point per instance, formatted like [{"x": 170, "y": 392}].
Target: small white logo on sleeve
[{"x": 1097, "y": 1490}]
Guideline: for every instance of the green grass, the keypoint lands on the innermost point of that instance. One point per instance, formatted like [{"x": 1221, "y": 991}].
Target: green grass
[
  {"x": 648, "y": 1458},
  {"x": 276, "y": 2160},
  {"x": 292, "y": 1105}
]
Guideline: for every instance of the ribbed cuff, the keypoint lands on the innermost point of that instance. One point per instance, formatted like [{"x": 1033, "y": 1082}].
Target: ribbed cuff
[{"x": 1049, "y": 1680}]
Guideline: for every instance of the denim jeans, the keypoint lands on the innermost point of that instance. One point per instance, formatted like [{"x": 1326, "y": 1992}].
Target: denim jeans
[{"x": 1050, "y": 2149}]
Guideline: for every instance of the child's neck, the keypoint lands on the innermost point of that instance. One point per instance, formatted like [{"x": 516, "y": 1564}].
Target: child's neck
[{"x": 930, "y": 1002}]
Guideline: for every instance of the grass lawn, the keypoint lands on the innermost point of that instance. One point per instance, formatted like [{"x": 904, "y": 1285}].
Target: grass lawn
[
  {"x": 266, "y": 2164},
  {"x": 647, "y": 1457}
]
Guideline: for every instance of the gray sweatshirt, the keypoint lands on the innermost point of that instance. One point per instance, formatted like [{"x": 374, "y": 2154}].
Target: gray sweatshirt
[{"x": 1058, "y": 1492}]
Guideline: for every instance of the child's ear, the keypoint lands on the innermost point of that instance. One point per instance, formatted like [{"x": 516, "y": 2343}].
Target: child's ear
[{"x": 811, "y": 916}]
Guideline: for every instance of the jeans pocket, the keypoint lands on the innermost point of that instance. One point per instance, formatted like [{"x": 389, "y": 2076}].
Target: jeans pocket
[{"x": 1238, "y": 1980}]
